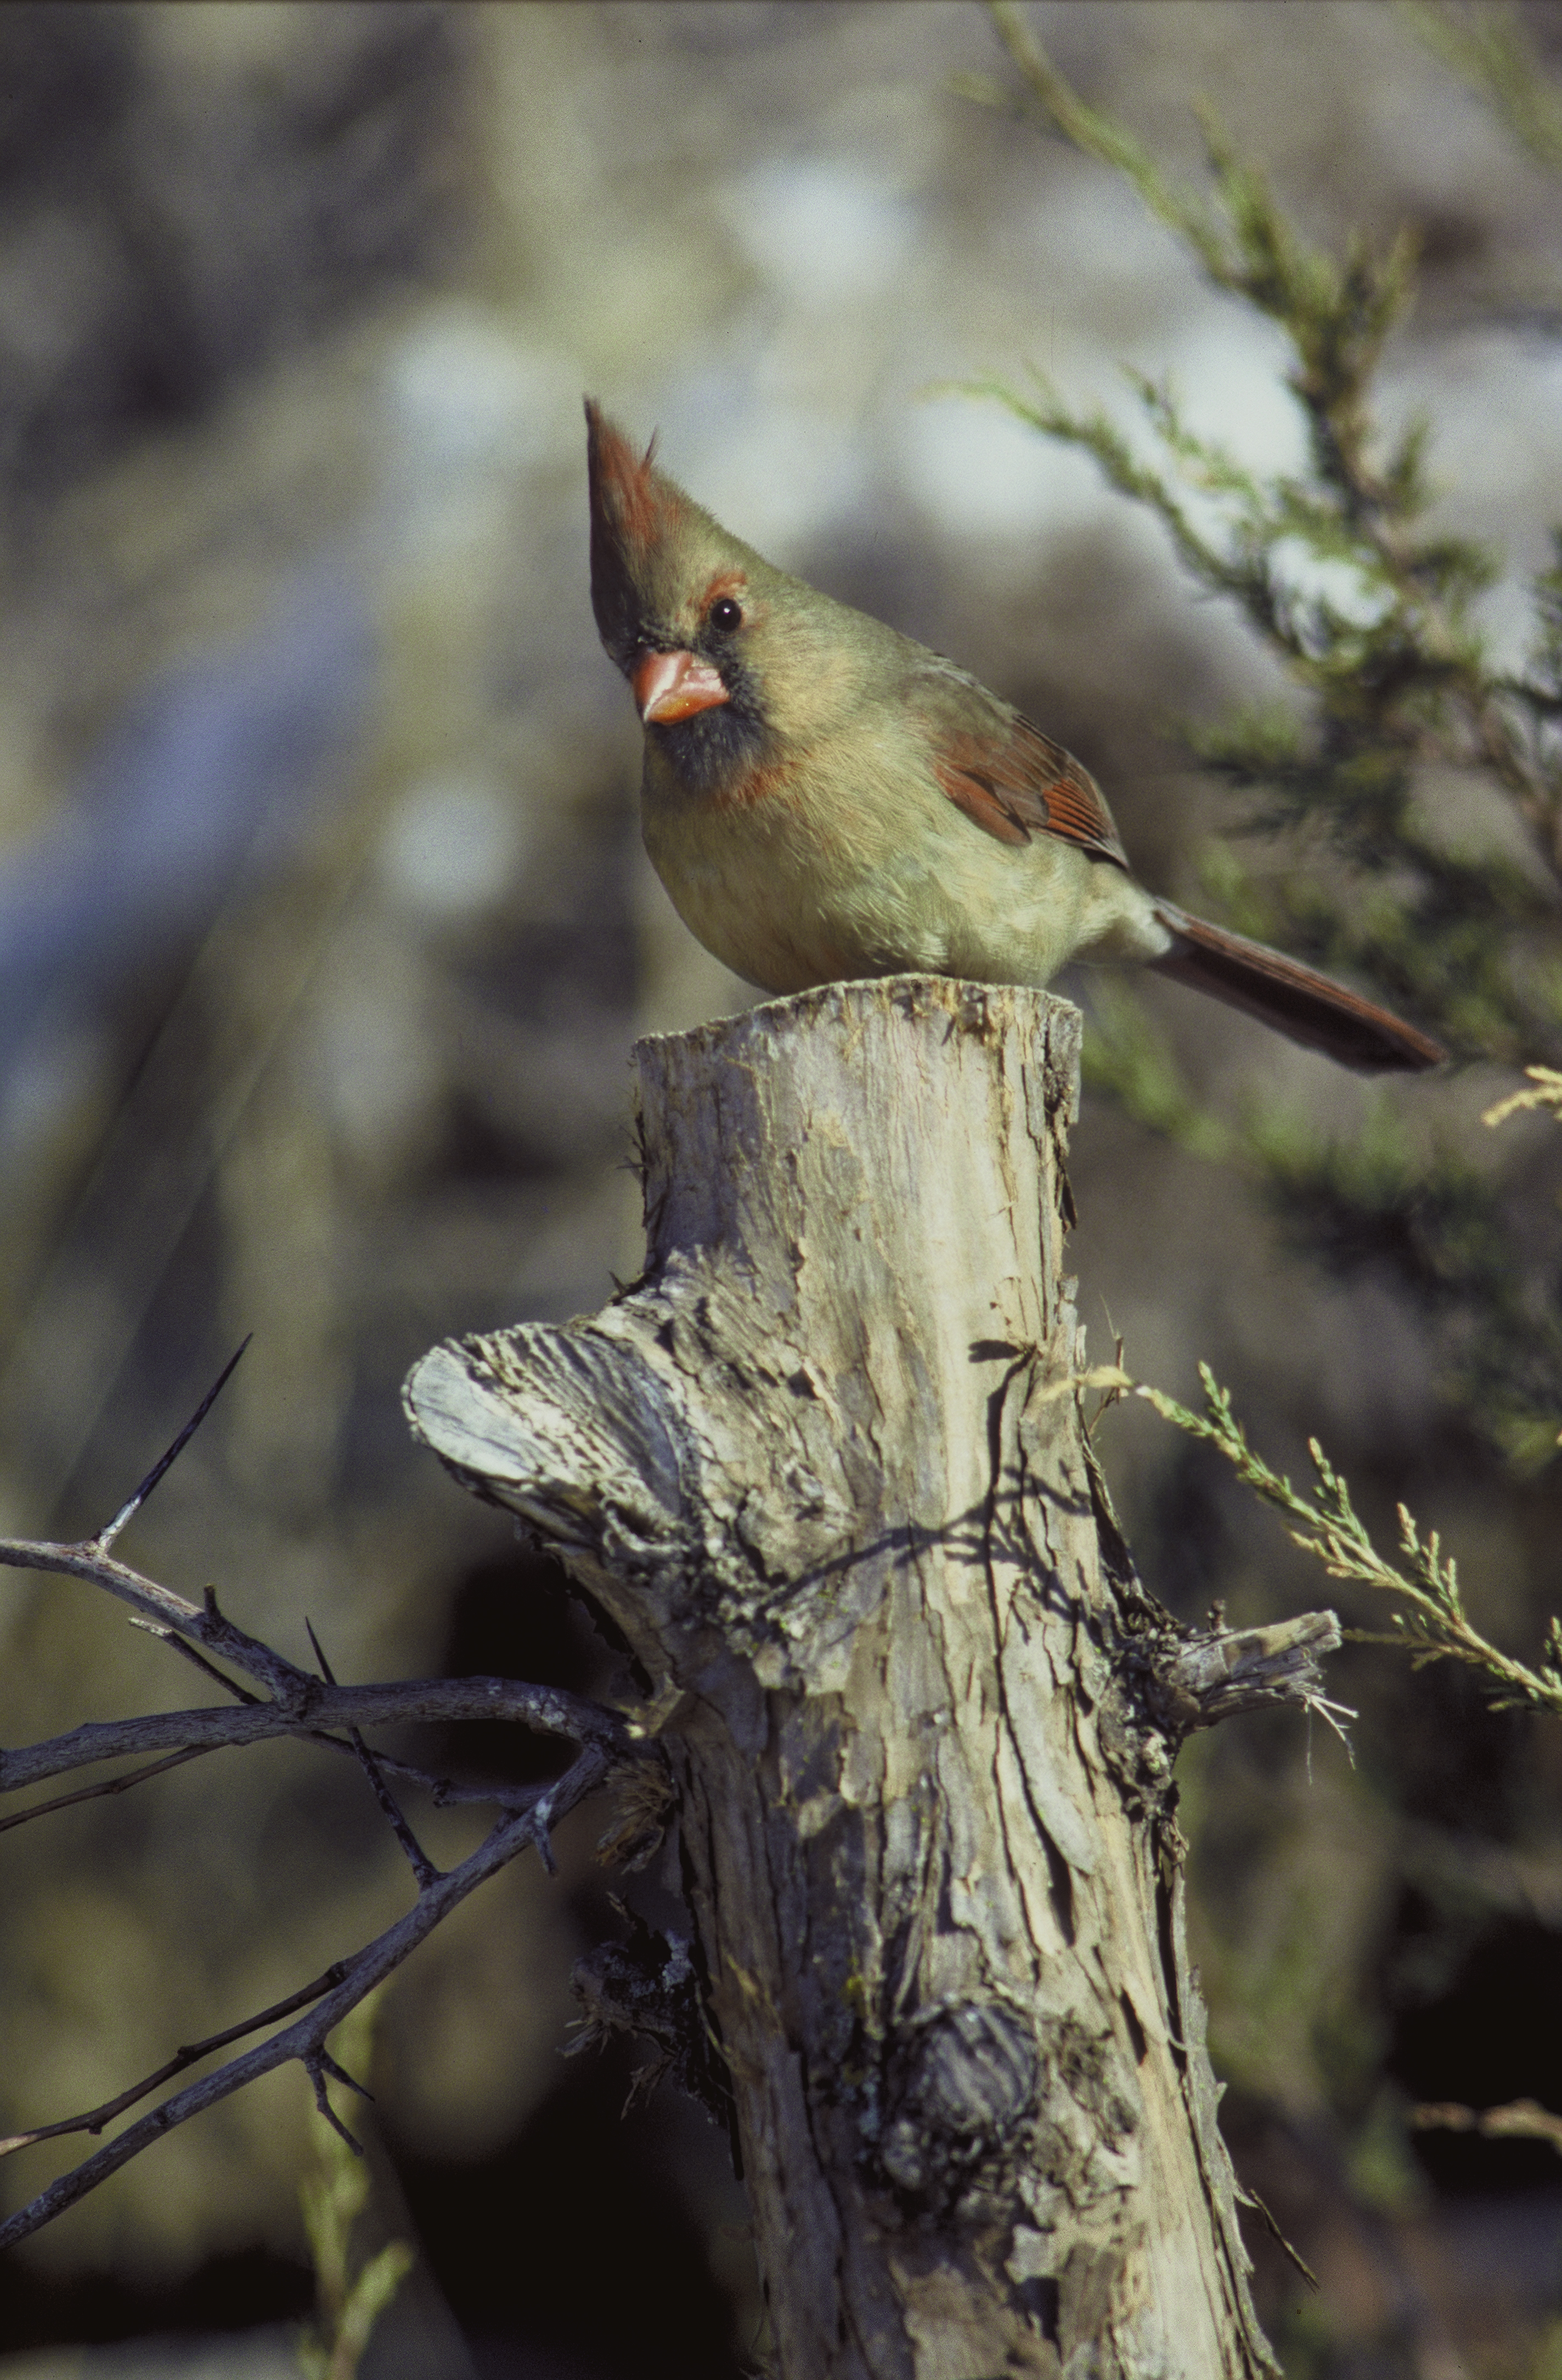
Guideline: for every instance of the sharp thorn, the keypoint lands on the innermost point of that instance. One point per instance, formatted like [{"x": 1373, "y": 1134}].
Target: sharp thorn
[
  {"x": 340, "y": 2074},
  {"x": 127, "y": 1509},
  {"x": 325, "y": 1670}
]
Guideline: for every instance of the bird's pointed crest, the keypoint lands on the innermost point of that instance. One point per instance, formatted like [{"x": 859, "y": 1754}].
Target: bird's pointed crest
[
  {"x": 635, "y": 509},
  {"x": 626, "y": 487}
]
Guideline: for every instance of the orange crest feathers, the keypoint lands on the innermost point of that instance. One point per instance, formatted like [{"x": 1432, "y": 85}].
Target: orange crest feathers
[
  {"x": 634, "y": 512},
  {"x": 642, "y": 503},
  {"x": 626, "y": 484}
]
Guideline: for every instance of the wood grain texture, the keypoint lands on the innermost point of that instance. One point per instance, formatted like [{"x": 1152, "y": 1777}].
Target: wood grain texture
[{"x": 824, "y": 1466}]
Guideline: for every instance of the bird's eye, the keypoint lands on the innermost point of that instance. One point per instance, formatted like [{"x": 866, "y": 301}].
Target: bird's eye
[{"x": 725, "y": 614}]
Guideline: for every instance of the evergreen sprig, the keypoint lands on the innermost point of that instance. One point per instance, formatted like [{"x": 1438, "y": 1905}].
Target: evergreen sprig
[
  {"x": 352, "y": 2293},
  {"x": 1545, "y": 1091},
  {"x": 1485, "y": 48},
  {"x": 1433, "y": 1625},
  {"x": 1371, "y": 613}
]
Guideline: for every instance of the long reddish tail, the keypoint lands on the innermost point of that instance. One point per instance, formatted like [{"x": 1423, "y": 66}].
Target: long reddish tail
[{"x": 1295, "y": 1000}]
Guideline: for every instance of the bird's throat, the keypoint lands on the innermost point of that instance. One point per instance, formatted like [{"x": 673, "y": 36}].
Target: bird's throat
[{"x": 715, "y": 755}]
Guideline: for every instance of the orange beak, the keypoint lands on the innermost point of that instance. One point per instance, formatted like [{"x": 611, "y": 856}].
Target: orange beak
[{"x": 669, "y": 686}]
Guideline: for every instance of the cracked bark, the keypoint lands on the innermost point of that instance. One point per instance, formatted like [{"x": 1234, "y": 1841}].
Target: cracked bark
[{"x": 825, "y": 1467}]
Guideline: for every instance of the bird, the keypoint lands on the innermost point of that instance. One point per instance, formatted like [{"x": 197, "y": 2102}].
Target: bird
[{"x": 824, "y": 799}]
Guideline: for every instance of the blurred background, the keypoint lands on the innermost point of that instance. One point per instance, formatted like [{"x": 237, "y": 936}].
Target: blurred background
[{"x": 324, "y": 936}]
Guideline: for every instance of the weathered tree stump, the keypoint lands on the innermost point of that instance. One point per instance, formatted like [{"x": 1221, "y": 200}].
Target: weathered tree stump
[{"x": 825, "y": 1467}]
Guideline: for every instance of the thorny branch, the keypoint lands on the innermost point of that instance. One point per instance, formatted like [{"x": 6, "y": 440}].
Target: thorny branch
[
  {"x": 319, "y": 1710},
  {"x": 190, "y": 2053},
  {"x": 306, "y": 2040},
  {"x": 418, "y": 1859},
  {"x": 191, "y": 1732}
]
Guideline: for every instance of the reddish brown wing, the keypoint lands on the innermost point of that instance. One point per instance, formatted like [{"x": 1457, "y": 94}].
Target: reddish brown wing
[{"x": 1007, "y": 777}]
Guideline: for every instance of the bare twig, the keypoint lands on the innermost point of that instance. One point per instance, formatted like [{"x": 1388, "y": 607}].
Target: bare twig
[
  {"x": 317, "y": 2066},
  {"x": 320, "y": 1711},
  {"x": 323, "y": 2108},
  {"x": 190, "y": 2053},
  {"x": 198, "y": 1660},
  {"x": 527, "y": 1801},
  {"x": 1251, "y": 2198},
  {"x": 418, "y": 1859},
  {"x": 301, "y": 1706},
  {"x": 444, "y": 1792},
  {"x": 548, "y": 1708},
  {"x": 338, "y": 2073},
  {"x": 206, "y": 1626},
  {"x": 305, "y": 2040},
  {"x": 103, "y": 1793}
]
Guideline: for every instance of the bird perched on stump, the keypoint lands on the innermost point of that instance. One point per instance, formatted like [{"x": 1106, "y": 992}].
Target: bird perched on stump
[{"x": 824, "y": 798}]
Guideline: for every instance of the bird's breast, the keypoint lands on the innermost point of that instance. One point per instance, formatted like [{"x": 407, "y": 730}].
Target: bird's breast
[
  {"x": 755, "y": 873},
  {"x": 846, "y": 860}
]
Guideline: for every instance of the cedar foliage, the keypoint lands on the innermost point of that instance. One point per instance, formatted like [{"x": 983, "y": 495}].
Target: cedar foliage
[
  {"x": 1351, "y": 1936},
  {"x": 1372, "y": 612}
]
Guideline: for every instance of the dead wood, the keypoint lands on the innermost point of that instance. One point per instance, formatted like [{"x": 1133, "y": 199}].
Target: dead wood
[{"x": 823, "y": 1465}]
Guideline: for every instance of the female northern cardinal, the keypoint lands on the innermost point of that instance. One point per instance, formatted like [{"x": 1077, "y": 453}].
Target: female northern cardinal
[{"x": 823, "y": 798}]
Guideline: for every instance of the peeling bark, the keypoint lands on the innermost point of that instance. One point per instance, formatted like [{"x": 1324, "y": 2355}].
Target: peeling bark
[{"x": 823, "y": 1465}]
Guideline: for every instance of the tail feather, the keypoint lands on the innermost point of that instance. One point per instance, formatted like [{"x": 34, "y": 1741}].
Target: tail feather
[{"x": 1293, "y": 999}]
